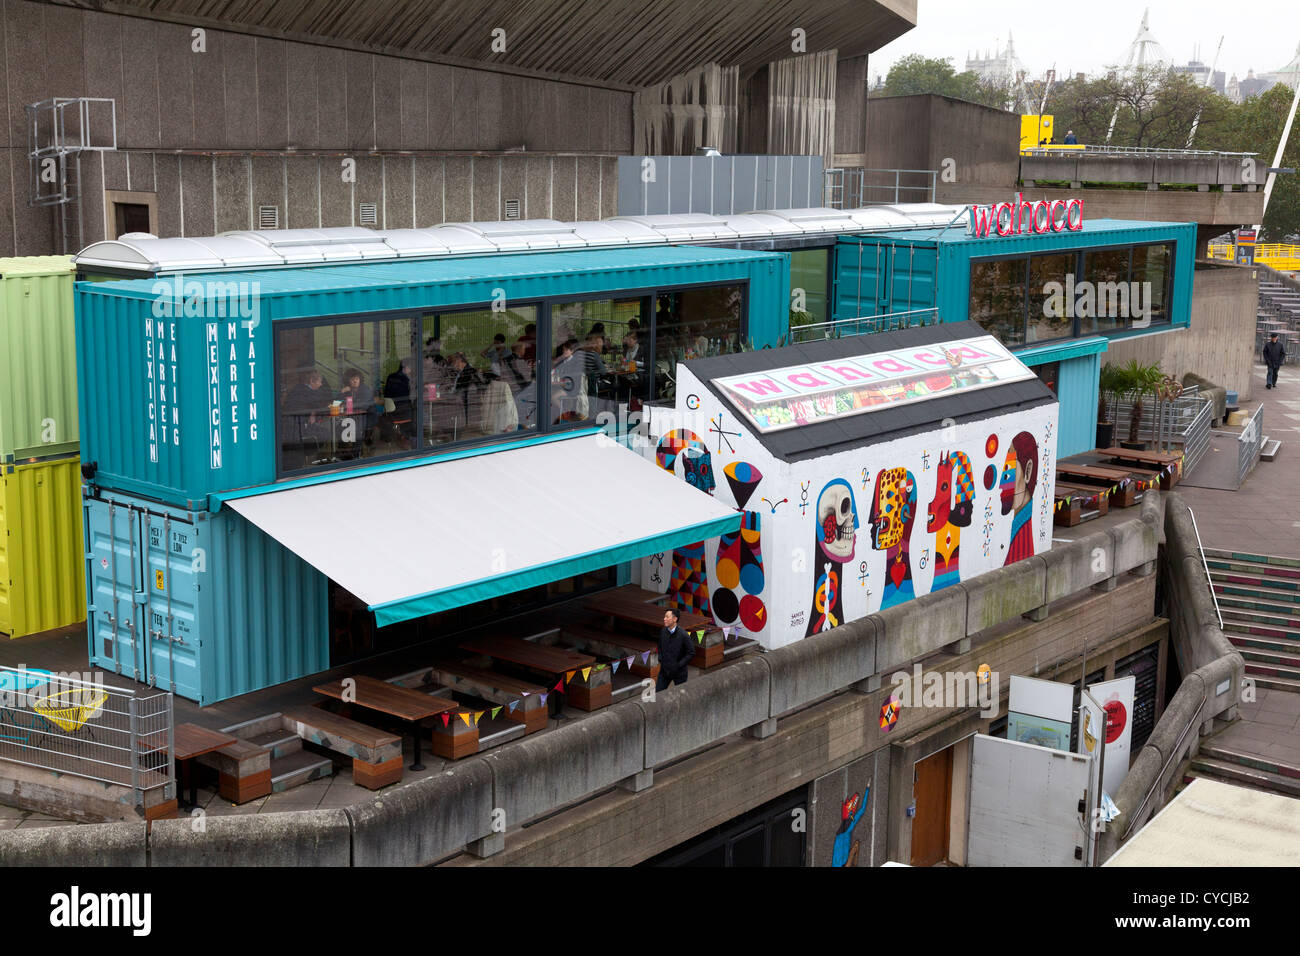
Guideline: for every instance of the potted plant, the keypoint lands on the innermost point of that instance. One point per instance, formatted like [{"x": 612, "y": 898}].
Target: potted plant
[
  {"x": 1138, "y": 382},
  {"x": 1110, "y": 384}
]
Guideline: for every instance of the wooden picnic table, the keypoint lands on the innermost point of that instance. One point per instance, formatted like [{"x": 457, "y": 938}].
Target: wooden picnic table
[
  {"x": 190, "y": 741},
  {"x": 631, "y": 605},
  {"x": 1157, "y": 458},
  {"x": 403, "y": 703},
  {"x": 1099, "y": 474},
  {"x": 586, "y": 692}
]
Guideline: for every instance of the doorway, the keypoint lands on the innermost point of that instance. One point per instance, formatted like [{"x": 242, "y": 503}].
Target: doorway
[{"x": 932, "y": 794}]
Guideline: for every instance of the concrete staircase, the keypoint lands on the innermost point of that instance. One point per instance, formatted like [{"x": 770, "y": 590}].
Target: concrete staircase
[
  {"x": 1259, "y": 599},
  {"x": 291, "y": 766}
]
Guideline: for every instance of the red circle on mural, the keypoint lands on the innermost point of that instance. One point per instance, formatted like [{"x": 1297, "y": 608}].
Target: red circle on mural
[
  {"x": 990, "y": 476},
  {"x": 752, "y": 613},
  {"x": 991, "y": 446},
  {"x": 1117, "y": 718}
]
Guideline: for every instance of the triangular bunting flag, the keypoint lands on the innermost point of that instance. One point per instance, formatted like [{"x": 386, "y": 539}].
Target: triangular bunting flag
[
  {"x": 631, "y": 658},
  {"x": 613, "y": 667},
  {"x": 586, "y": 673},
  {"x": 699, "y": 637},
  {"x": 478, "y": 714},
  {"x": 523, "y": 693},
  {"x": 569, "y": 676},
  {"x": 464, "y": 715},
  {"x": 559, "y": 684},
  {"x": 544, "y": 696},
  {"x": 495, "y": 711},
  {"x": 513, "y": 705},
  {"x": 645, "y": 656},
  {"x": 445, "y": 717}
]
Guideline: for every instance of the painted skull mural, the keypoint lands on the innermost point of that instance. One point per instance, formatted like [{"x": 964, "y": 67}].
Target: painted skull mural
[
  {"x": 893, "y": 509},
  {"x": 951, "y": 510},
  {"x": 688, "y": 585},
  {"x": 837, "y": 529},
  {"x": 1019, "y": 481}
]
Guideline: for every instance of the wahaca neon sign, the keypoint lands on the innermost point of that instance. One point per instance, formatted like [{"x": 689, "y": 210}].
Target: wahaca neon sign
[{"x": 1024, "y": 217}]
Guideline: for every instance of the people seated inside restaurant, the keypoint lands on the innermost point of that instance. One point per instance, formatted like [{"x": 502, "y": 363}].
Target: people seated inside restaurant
[
  {"x": 358, "y": 404},
  {"x": 529, "y": 341},
  {"x": 307, "y": 406},
  {"x": 397, "y": 425},
  {"x": 517, "y": 368},
  {"x": 496, "y": 354}
]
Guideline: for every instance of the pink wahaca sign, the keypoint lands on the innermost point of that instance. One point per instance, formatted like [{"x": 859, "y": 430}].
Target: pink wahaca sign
[
  {"x": 800, "y": 394},
  {"x": 1026, "y": 217}
]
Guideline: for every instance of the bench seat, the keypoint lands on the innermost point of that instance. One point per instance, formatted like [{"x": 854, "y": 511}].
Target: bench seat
[
  {"x": 497, "y": 688},
  {"x": 243, "y": 771},
  {"x": 376, "y": 754}
]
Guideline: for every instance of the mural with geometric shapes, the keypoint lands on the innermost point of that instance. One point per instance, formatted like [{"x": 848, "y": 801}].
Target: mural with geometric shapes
[
  {"x": 681, "y": 452},
  {"x": 836, "y": 535},
  {"x": 893, "y": 509},
  {"x": 951, "y": 510},
  {"x": 739, "y": 567}
]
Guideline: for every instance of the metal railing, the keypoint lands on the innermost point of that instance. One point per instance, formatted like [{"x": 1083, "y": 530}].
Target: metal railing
[
  {"x": 848, "y": 187},
  {"x": 59, "y": 722},
  {"x": 863, "y": 325},
  {"x": 1249, "y": 444},
  {"x": 1176, "y": 752},
  {"x": 1138, "y": 152},
  {"x": 1183, "y": 421},
  {"x": 1200, "y": 549}
]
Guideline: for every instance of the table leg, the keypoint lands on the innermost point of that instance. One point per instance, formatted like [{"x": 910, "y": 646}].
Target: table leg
[{"x": 415, "y": 737}]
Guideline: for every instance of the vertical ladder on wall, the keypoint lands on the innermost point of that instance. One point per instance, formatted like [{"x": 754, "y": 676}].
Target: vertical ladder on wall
[
  {"x": 834, "y": 188},
  {"x": 59, "y": 130}
]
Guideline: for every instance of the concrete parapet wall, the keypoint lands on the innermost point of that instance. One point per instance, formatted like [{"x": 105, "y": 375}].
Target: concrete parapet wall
[
  {"x": 94, "y": 845},
  {"x": 304, "y": 838},
  {"x": 910, "y": 631},
  {"x": 812, "y": 668},
  {"x": 426, "y": 820},
  {"x": 705, "y": 710},
  {"x": 1088, "y": 561},
  {"x": 1003, "y": 594}
]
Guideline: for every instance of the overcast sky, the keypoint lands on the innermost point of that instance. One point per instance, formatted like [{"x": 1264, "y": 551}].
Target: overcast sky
[{"x": 1051, "y": 33}]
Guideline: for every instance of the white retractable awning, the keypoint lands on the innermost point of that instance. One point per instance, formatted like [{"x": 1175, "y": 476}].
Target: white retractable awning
[{"x": 415, "y": 540}]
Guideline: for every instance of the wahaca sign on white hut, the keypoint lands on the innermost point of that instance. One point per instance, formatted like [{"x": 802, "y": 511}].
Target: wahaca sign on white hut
[{"x": 1025, "y": 217}]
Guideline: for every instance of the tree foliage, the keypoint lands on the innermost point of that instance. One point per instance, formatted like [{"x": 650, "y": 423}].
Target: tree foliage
[{"x": 918, "y": 74}]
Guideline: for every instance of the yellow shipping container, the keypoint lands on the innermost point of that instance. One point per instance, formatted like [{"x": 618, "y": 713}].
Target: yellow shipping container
[{"x": 42, "y": 558}]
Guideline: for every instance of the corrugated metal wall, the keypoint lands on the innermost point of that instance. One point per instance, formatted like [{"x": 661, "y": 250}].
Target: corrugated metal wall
[
  {"x": 41, "y": 554},
  {"x": 38, "y": 375},
  {"x": 718, "y": 185}
]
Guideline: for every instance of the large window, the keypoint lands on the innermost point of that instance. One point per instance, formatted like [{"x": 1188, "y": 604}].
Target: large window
[
  {"x": 1027, "y": 299},
  {"x": 355, "y": 389},
  {"x": 808, "y": 273},
  {"x": 336, "y": 385},
  {"x": 694, "y": 323}
]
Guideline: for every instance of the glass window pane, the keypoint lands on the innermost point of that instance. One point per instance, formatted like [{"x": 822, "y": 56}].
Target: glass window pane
[
  {"x": 1042, "y": 270},
  {"x": 997, "y": 299},
  {"x": 747, "y": 849},
  {"x": 1153, "y": 265},
  {"x": 477, "y": 373},
  {"x": 694, "y": 323},
  {"x": 808, "y": 273},
  {"x": 1096, "y": 303},
  {"x": 598, "y": 357},
  {"x": 333, "y": 382}
]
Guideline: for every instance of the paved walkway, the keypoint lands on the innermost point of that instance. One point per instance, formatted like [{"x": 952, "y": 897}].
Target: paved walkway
[
  {"x": 1263, "y": 515},
  {"x": 1269, "y": 727}
]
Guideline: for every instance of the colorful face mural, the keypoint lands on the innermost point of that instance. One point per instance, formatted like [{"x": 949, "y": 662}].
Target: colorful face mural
[
  {"x": 950, "y": 511},
  {"x": 688, "y": 584},
  {"x": 893, "y": 508},
  {"x": 1019, "y": 481},
  {"x": 837, "y": 531}
]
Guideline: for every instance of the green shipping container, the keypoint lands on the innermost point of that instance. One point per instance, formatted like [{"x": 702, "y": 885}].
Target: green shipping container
[
  {"x": 42, "y": 558},
  {"x": 38, "y": 359}
]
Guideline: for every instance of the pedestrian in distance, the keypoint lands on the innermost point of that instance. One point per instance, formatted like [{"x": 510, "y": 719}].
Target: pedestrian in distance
[
  {"x": 1070, "y": 138},
  {"x": 1274, "y": 356},
  {"x": 675, "y": 652}
]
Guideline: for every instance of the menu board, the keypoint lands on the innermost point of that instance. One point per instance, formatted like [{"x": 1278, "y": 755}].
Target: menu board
[{"x": 821, "y": 391}]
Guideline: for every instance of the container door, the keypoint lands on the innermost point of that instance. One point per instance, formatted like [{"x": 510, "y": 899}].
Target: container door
[
  {"x": 911, "y": 280},
  {"x": 115, "y": 567},
  {"x": 173, "y": 562}
]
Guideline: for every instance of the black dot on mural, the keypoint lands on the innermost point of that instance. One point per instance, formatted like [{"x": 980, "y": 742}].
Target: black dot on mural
[
  {"x": 990, "y": 476},
  {"x": 726, "y": 607}
]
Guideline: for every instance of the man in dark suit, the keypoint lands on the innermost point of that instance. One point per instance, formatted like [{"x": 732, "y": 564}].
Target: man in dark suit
[{"x": 675, "y": 652}]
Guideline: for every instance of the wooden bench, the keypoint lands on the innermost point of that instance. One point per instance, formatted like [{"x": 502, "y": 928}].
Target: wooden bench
[
  {"x": 497, "y": 688},
  {"x": 1125, "y": 494},
  {"x": 376, "y": 754},
  {"x": 588, "y": 691},
  {"x": 1092, "y": 499},
  {"x": 1069, "y": 510},
  {"x": 243, "y": 771},
  {"x": 634, "y": 605},
  {"x": 1158, "y": 459},
  {"x": 616, "y": 645}
]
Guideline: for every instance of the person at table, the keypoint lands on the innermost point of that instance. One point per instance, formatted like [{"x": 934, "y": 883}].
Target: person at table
[
  {"x": 589, "y": 353},
  {"x": 400, "y": 422},
  {"x": 496, "y": 354},
  {"x": 675, "y": 652},
  {"x": 362, "y": 397},
  {"x": 529, "y": 341},
  {"x": 466, "y": 384},
  {"x": 632, "y": 349},
  {"x": 308, "y": 405},
  {"x": 1274, "y": 356},
  {"x": 517, "y": 370}
]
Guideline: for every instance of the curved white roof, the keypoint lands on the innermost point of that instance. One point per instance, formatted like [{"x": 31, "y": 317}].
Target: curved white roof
[{"x": 277, "y": 248}]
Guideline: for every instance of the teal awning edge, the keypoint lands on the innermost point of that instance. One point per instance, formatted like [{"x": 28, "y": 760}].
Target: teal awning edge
[
  {"x": 1062, "y": 350},
  {"x": 508, "y": 582}
]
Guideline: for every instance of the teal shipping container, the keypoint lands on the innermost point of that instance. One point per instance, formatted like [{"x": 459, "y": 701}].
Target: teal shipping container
[
  {"x": 180, "y": 394},
  {"x": 206, "y": 606},
  {"x": 1056, "y": 299}
]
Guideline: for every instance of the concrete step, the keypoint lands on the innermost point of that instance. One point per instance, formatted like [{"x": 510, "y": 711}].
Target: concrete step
[
  {"x": 1214, "y": 750},
  {"x": 1283, "y": 618},
  {"x": 1271, "y": 668},
  {"x": 1250, "y": 557},
  {"x": 1288, "y": 684},
  {"x": 1241, "y": 602},
  {"x": 1258, "y": 592},
  {"x": 281, "y": 743},
  {"x": 1240, "y": 565},
  {"x": 1255, "y": 579},
  {"x": 1233, "y": 626},
  {"x": 1284, "y": 659},
  {"x": 496, "y": 732},
  {"x": 1270, "y": 449},
  {"x": 1247, "y": 643},
  {"x": 1229, "y": 772},
  {"x": 298, "y": 768}
]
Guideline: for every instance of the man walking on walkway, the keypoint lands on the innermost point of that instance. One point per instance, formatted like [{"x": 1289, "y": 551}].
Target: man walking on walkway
[
  {"x": 675, "y": 652},
  {"x": 1274, "y": 356}
]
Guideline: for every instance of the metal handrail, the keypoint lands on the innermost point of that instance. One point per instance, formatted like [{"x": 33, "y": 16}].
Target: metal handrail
[
  {"x": 1178, "y": 746},
  {"x": 1200, "y": 549},
  {"x": 1153, "y": 151},
  {"x": 828, "y": 330}
]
